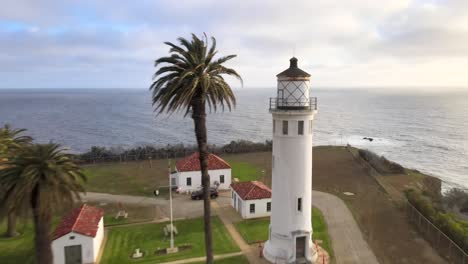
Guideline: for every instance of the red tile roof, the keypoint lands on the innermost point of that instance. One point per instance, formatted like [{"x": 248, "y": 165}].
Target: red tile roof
[
  {"x": 83, "y": 220},
  {"x": 251, "y": 190},
  {"x": 192, "y": 163}
]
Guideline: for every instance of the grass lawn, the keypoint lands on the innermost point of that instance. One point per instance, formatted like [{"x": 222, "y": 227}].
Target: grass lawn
[
  {"x": 19, "y": 249},
  {"x": 143, "y": 177},
  {"x": 123, "y": 240},
  {"x": 232, "y": 260},
  {"x": 256, "y": 230},
  {"x": 245, "y": 171},
  {"x": 133, "y": 178}
]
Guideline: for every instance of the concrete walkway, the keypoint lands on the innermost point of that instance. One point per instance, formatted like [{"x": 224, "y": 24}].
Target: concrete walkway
[
  {"x": 202, "y": 259},
  {"x": 348, "y": 243},
  {"x": 129, "y": 199}
]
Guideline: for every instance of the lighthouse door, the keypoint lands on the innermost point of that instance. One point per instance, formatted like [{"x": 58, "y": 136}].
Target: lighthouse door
[{"x": 300, "y": 247}]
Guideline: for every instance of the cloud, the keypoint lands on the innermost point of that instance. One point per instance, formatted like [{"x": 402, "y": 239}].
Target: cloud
[{"x": 342, "y": 43}]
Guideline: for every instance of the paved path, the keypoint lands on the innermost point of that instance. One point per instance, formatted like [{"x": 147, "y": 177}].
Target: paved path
[
  {"x": 201, "y": 259},
  {"x": 109, "y": 198},
  {"x": 348, "y": 243}
]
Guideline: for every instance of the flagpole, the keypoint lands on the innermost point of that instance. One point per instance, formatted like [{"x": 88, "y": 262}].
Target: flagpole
[{"x": 170, "y": 203}]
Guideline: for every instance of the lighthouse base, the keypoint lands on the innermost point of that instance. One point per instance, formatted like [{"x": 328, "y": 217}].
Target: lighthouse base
[{"x": 288, "y": 250}]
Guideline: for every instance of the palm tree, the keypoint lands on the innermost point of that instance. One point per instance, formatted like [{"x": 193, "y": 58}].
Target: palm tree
[
  {"x": 191, "y": 79},
  {"x": 11, "y": 142},
  {"x": 46, "y": 177}
]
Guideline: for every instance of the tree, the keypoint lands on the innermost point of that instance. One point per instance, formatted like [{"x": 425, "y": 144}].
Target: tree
[
  {"x": 11, "y": 142},
  {"x": 46, "y": 176},
  {"x": 190, "y": 79}
]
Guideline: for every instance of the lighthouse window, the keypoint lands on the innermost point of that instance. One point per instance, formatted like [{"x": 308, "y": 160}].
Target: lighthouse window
[
  {"x": 310, "y": 127},
  {"x": 274, "y": 124},
  {"x": 300, "y": 127},
  {"x": 252, "y": 208},
  {"x": 299, "y": 204},
  {"x": 285, "y": 127}
]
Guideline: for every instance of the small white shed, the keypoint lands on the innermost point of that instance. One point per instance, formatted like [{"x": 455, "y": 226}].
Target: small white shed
[
  {"x": 251, "y": 199},
  {"x": 79, "y": 236},
  {"x": 187, "y": 176}
]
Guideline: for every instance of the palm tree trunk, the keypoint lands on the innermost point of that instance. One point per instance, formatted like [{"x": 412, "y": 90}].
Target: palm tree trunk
[
  {"x": 42, "y": 221},
  {"x": 11, "y": 226},
  {"x": 199, "y": 119}
]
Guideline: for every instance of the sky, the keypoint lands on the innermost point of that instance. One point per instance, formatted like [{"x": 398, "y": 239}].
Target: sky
[{"x": 421, "y": 44}]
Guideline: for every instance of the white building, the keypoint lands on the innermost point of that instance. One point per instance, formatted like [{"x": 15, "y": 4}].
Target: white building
[
  {"x": 79, "y": 236},
  {"x": 188, "y": 173},
  {"x": 251, "y": 199},
  {"x": 293, "y": 110}
]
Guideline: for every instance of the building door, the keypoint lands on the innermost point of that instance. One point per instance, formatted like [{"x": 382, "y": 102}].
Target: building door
[
  {"x": 300, "y": 247},
  {"x": 73, "y": 254},
  {"x": 239, "y": 206}
]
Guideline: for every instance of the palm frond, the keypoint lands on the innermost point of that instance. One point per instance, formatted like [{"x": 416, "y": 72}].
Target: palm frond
[{"x": 190, "y": 72}]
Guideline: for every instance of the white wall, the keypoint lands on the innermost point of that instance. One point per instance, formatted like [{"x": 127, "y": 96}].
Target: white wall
[
  {"x": 99, "y": 238},
  {"x": 196, "y": 179},
  {"x": 86, "y": 242},
  {"x": 90, "y": 246},
  {"x": 260, "y": 207}
]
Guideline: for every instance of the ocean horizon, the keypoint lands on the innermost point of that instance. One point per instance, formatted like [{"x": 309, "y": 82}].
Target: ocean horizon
[{"x": 420, "y": 130}]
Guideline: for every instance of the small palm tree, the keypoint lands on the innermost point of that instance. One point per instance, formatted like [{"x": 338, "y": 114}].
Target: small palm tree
[
  {"x": 46, "y": 177},
  {"x": 11, "y": 142},
  {"x": 191, "y": 79}
]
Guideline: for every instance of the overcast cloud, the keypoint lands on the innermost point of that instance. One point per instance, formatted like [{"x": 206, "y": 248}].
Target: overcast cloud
[{"x": 349, "y": 43}]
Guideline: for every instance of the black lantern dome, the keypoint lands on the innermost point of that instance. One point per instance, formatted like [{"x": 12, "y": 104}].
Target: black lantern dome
[{"x": 293, "y": 71}]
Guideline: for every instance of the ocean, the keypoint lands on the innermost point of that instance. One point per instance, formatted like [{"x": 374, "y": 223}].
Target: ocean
[{"x": 424, "y": 131}]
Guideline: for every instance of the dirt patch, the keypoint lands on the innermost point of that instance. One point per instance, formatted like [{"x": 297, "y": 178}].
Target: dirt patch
[{"x": 385, "y": 227}]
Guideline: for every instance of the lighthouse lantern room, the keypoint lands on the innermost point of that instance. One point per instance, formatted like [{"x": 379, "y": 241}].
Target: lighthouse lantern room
[{"x": 293, "y": 111}]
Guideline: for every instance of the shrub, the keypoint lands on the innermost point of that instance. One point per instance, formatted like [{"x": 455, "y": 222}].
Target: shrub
[
  {"x": 380, "y": 163},
  {"x": 456, "y": 197},
  {"x": 453, "y": 227}
]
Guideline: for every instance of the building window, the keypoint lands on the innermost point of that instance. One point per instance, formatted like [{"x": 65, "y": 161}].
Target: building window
[
  {"x": 285, "y": 127},
  {"x": 300, "y": 127},
  {"x": 189, "y": 181},
  {"x": 252, "y": 208},
  {"x": 299, "y": 204},
  {"x": 310, "y": 127},
  {"x": 274, "y": 125},
  {"x": 221, "y": 178},
  {"x": 268, "y": 206}
]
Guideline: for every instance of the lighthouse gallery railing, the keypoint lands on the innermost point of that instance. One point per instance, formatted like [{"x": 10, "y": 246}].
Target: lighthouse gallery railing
[{"x": 278, "y": 104}]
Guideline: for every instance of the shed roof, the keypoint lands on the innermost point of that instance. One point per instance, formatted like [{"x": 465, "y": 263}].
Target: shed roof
[
  {"x": 83, "y": 220},
  {"x": 192, "y": 163},
  {"x": 251, "y": 190}
]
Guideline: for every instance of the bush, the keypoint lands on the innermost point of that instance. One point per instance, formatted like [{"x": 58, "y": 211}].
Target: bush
[
  {"x": 380, "y": 163},
  {"x": 455, "y": 197},
  {"x": 453, "y": 227},
  {"x": 103, "y": 154}
]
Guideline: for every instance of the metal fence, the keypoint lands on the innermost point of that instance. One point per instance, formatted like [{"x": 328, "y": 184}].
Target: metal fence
[
  {"x": 445, "y": 246},
  {"x": 438, "y": 240}
]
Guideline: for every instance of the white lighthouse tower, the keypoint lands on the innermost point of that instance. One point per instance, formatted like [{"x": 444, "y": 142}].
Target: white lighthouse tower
[{"x": 293, "y": 110}]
